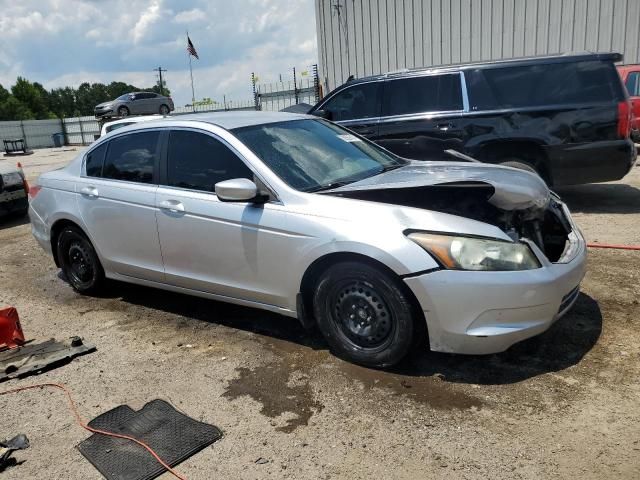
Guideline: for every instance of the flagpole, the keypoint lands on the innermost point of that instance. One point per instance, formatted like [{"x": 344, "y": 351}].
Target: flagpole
[{"x": 193, "y": 94}]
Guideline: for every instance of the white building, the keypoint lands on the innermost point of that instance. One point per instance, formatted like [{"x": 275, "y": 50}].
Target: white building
[{"x": 365, "y": 37}]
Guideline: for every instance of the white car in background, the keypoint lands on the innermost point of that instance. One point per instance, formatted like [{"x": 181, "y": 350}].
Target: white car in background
[{"x": 125, "y": 122}]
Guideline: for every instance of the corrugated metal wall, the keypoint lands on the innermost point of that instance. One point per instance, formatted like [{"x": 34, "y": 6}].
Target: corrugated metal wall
[{"x": 365, "y": 37}]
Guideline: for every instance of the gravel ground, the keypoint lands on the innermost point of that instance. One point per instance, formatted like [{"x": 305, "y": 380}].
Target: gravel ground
[{"x": 562, "y": 405}]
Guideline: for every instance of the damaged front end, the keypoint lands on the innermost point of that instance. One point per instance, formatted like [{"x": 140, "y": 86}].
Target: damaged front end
[{"x": 517, "y": 202}]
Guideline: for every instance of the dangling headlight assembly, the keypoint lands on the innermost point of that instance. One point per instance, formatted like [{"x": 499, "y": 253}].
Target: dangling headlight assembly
[{"x": 465, "y": 253}]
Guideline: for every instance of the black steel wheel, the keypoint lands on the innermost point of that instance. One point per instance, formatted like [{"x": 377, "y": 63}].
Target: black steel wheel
[
  {"x": 365, "y": 314},
  {"x": 79, "y": 261}
]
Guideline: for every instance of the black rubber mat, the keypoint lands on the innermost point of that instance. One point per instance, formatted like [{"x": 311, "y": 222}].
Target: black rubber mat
[{"x": 171, "y": 434}]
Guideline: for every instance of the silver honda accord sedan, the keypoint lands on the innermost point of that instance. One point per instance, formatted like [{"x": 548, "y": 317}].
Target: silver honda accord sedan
[{"x": 296, "y": 215}]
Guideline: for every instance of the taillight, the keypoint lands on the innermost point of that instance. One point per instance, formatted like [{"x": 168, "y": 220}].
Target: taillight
[
  {"x": 624, "y": 119},
  {"x": 33, "y": 191}
]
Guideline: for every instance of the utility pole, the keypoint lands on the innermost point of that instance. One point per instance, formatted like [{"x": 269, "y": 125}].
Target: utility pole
[{"x": 160, "y": 70}]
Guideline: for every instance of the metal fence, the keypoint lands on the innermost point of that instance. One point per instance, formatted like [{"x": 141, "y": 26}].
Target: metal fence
[
  {"x": 80, "y": 130},
  {"x": 36, "y": 133},
  {"x": 276, "y": 96}
]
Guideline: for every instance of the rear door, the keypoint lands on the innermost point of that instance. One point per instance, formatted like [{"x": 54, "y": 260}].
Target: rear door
[
  {"x": 356, "y": 107},
  {"x": 421, "y": 116},
  {"x": 632, "y": 83},
  {"x": 116, "y": 200}
]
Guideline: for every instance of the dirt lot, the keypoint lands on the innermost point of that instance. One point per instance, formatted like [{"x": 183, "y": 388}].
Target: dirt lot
[{"x": 563, "y": 405}]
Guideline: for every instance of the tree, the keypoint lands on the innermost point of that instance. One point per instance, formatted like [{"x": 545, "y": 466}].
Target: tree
[
  {"x": 14, "y": 109},
  {"x": 32, "y": 96}
]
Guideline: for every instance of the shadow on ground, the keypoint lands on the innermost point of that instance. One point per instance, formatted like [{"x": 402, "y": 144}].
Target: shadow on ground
[
  {"x": 601, "y": 198},
  {"x": 562, "y": 346}
]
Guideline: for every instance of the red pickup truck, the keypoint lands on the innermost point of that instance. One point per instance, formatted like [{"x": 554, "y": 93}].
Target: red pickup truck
[{"x": 630, "y": 75}]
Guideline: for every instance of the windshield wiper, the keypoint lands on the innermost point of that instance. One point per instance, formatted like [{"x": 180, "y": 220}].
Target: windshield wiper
[
  {"x": 388, "y": 168},
  {"x": 328, "y": 186}
]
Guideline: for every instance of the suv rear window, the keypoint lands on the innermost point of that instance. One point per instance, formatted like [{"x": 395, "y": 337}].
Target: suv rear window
[
  {"x": 542, "y": 84},
  {"x": 433, "y": 93}
]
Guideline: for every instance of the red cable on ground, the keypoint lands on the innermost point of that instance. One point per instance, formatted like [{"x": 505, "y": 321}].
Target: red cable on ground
[
  {"x": 616, "y": 247},
  {"x": 74, "y": 409}
]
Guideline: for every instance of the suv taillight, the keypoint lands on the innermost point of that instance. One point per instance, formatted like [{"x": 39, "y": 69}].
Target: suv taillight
[{"x": 624, "y": 119}]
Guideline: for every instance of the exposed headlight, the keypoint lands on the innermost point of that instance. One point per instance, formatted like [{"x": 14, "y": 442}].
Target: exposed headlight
[{"x": 464, "y": 253}]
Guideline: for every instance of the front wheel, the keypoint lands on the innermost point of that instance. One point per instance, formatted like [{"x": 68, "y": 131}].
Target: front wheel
[
  {"x": 123, "y": 112},
  {"x": 365, "y": 314},
  {"x": 79, "y": 261}
]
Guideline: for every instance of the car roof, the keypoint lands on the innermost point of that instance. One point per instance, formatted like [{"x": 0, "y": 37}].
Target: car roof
[
  {"x": 521, "y": 61},
  {"x": 141, "y": 118},
  {"x": 238, "y": 119}
]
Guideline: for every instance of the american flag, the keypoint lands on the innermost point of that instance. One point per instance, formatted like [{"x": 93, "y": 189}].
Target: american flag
[{"x": 191, "y": 49}]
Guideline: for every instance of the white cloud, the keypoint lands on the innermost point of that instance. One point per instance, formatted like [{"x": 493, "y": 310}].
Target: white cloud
[
  {"x": 67, "y": 42},
  {"x": 190, "y": 16}
]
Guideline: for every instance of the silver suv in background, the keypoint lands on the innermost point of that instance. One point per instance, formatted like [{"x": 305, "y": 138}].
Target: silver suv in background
[{"x": 136, "y": 103}]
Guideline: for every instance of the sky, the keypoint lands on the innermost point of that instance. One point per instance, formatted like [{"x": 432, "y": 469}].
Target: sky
[{"x": 67, "y": 42}]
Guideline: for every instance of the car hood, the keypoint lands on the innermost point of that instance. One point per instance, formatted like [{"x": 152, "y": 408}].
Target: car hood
[
  {"x": 104, "y": 104},
  {"x": 7, "y": 166},
  {"x": 513, "y": 189}
]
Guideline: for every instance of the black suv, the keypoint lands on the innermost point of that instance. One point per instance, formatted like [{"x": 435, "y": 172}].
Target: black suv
[{"x": 566, "y": 117}]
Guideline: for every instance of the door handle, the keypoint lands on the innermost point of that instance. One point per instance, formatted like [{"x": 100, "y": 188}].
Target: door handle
[
  {"x": 89, "y": 191},
  {"x": 172, "y": 205},
  {"x": 444, "y": 126}
]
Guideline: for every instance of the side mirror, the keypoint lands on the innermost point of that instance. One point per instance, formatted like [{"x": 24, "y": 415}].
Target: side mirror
[
  {"x": 326, "y": 114},
  {"x": 236, "y": 190}
]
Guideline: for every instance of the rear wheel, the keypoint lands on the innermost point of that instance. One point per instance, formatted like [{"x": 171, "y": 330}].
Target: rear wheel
[
  {"x": 164, "y": 110},
  {"x": 365, "y": 314},
  {"x": 79, "y": 261}
]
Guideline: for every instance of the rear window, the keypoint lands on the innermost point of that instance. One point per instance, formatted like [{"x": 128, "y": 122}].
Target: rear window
[
  {"x": 633, "y": 84},
  {"x": 132, "y": 157},
  {"x": 93, "y": 163},
  {"x": 542, "y": 84},
  {"x": 434, "y": 93}
]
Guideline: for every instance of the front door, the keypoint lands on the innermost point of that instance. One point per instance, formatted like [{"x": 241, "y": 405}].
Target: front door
[
  {"x": 421, "y": 116},
  {"x": 226, "y": 248},
  {"x": 116, "y": 200}
]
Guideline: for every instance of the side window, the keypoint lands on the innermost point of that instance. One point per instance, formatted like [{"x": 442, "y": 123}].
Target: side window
[
  {"x": 199, "y": 161},
  {"x": 633, "y": 84},
  {"x": 94, "y": 160},
  {"x": 431, "y": 93},
  {"x": 551, "y": 84},
  {"x": 132, "y": 157},
  {"x": 359, "y": 101}
]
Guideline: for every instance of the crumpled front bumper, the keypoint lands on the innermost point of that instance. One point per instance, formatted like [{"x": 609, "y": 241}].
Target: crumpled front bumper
[{"x": 487, "y": 312}]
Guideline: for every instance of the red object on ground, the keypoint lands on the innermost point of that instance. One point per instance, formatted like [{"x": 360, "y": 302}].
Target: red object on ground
[
  {"x": 11, "y": 335},
  {"x": 616, "y": 247}
]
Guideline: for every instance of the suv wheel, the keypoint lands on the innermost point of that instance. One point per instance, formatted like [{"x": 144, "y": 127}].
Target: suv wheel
[
  {"x": 123, "y": 112},
  {"x": 79, "y": 261},
  {"x": 365, "y": 314}
]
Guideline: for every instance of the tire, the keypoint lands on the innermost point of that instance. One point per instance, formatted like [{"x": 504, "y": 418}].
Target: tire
[
  {"x": 79, "y": 261},
  {"x": 164, "y": 110},
  {"x": 380, "y": 332},
  {"x": 123, "y": 112}
]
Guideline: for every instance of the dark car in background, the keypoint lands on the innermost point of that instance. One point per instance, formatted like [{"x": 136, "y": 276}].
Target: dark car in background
[
  {"x": 136, "y": 103},
  {"x": 565, "y": 117}
]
